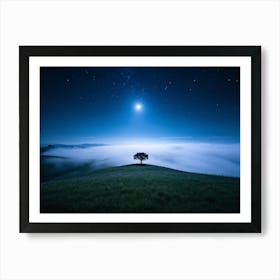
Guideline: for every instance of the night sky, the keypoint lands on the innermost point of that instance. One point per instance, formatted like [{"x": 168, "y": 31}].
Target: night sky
[{"x": 133, "y": 104}]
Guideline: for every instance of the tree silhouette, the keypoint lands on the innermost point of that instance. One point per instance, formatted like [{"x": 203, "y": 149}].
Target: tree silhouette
[{"x": 141, "y": 156}]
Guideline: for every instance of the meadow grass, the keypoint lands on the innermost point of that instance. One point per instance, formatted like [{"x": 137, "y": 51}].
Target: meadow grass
[{"x": 141, "y": 189}]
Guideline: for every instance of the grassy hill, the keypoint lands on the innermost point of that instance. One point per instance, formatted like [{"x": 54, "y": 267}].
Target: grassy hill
[{"x": 141, "y": 189}]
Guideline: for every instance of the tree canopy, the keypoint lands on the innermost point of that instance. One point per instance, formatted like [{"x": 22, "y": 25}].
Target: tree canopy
[{"x": 141, "y": 156}]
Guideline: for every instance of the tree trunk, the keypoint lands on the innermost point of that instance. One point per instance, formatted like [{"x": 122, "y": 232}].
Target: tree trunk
[{"x": 141, "y": 161}]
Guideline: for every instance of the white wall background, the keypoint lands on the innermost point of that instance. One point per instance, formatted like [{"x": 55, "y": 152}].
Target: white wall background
[{"x": 139, "y": 256}]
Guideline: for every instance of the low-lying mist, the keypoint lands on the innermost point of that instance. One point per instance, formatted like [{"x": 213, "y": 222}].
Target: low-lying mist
[{"x": 206, "y": 158}]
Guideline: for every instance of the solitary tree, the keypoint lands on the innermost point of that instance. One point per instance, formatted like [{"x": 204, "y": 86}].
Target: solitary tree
[{"x": 141, "y": 156}]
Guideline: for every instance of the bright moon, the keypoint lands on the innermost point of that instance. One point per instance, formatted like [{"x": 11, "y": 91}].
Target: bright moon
[{"x": 138, "y": 107}]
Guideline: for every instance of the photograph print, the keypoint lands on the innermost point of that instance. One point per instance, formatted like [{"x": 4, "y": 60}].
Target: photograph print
[{"x": 139, "y": 139}]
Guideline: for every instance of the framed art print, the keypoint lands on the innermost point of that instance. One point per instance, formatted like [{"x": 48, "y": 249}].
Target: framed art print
[{"x": 140, "y": 138}]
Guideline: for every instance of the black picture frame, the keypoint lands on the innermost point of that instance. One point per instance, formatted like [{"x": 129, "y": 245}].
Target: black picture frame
[{"x": 254, "y": 52}]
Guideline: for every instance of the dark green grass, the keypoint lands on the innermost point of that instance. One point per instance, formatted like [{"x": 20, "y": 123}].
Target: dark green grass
[{"x": 141, "y": 189}]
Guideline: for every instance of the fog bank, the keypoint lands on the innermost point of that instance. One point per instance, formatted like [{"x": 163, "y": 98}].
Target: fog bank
[{"x": 206, "y": 158}]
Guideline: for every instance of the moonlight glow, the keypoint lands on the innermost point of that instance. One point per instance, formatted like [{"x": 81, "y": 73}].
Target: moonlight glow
[{"x": 138, "y": 107}]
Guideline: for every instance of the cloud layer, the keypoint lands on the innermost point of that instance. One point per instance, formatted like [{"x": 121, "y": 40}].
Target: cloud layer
[{"x": 206, "y": 158}]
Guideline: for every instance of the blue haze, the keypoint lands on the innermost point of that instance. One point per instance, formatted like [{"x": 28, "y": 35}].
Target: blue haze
[{"x": 190, "y": 118}]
